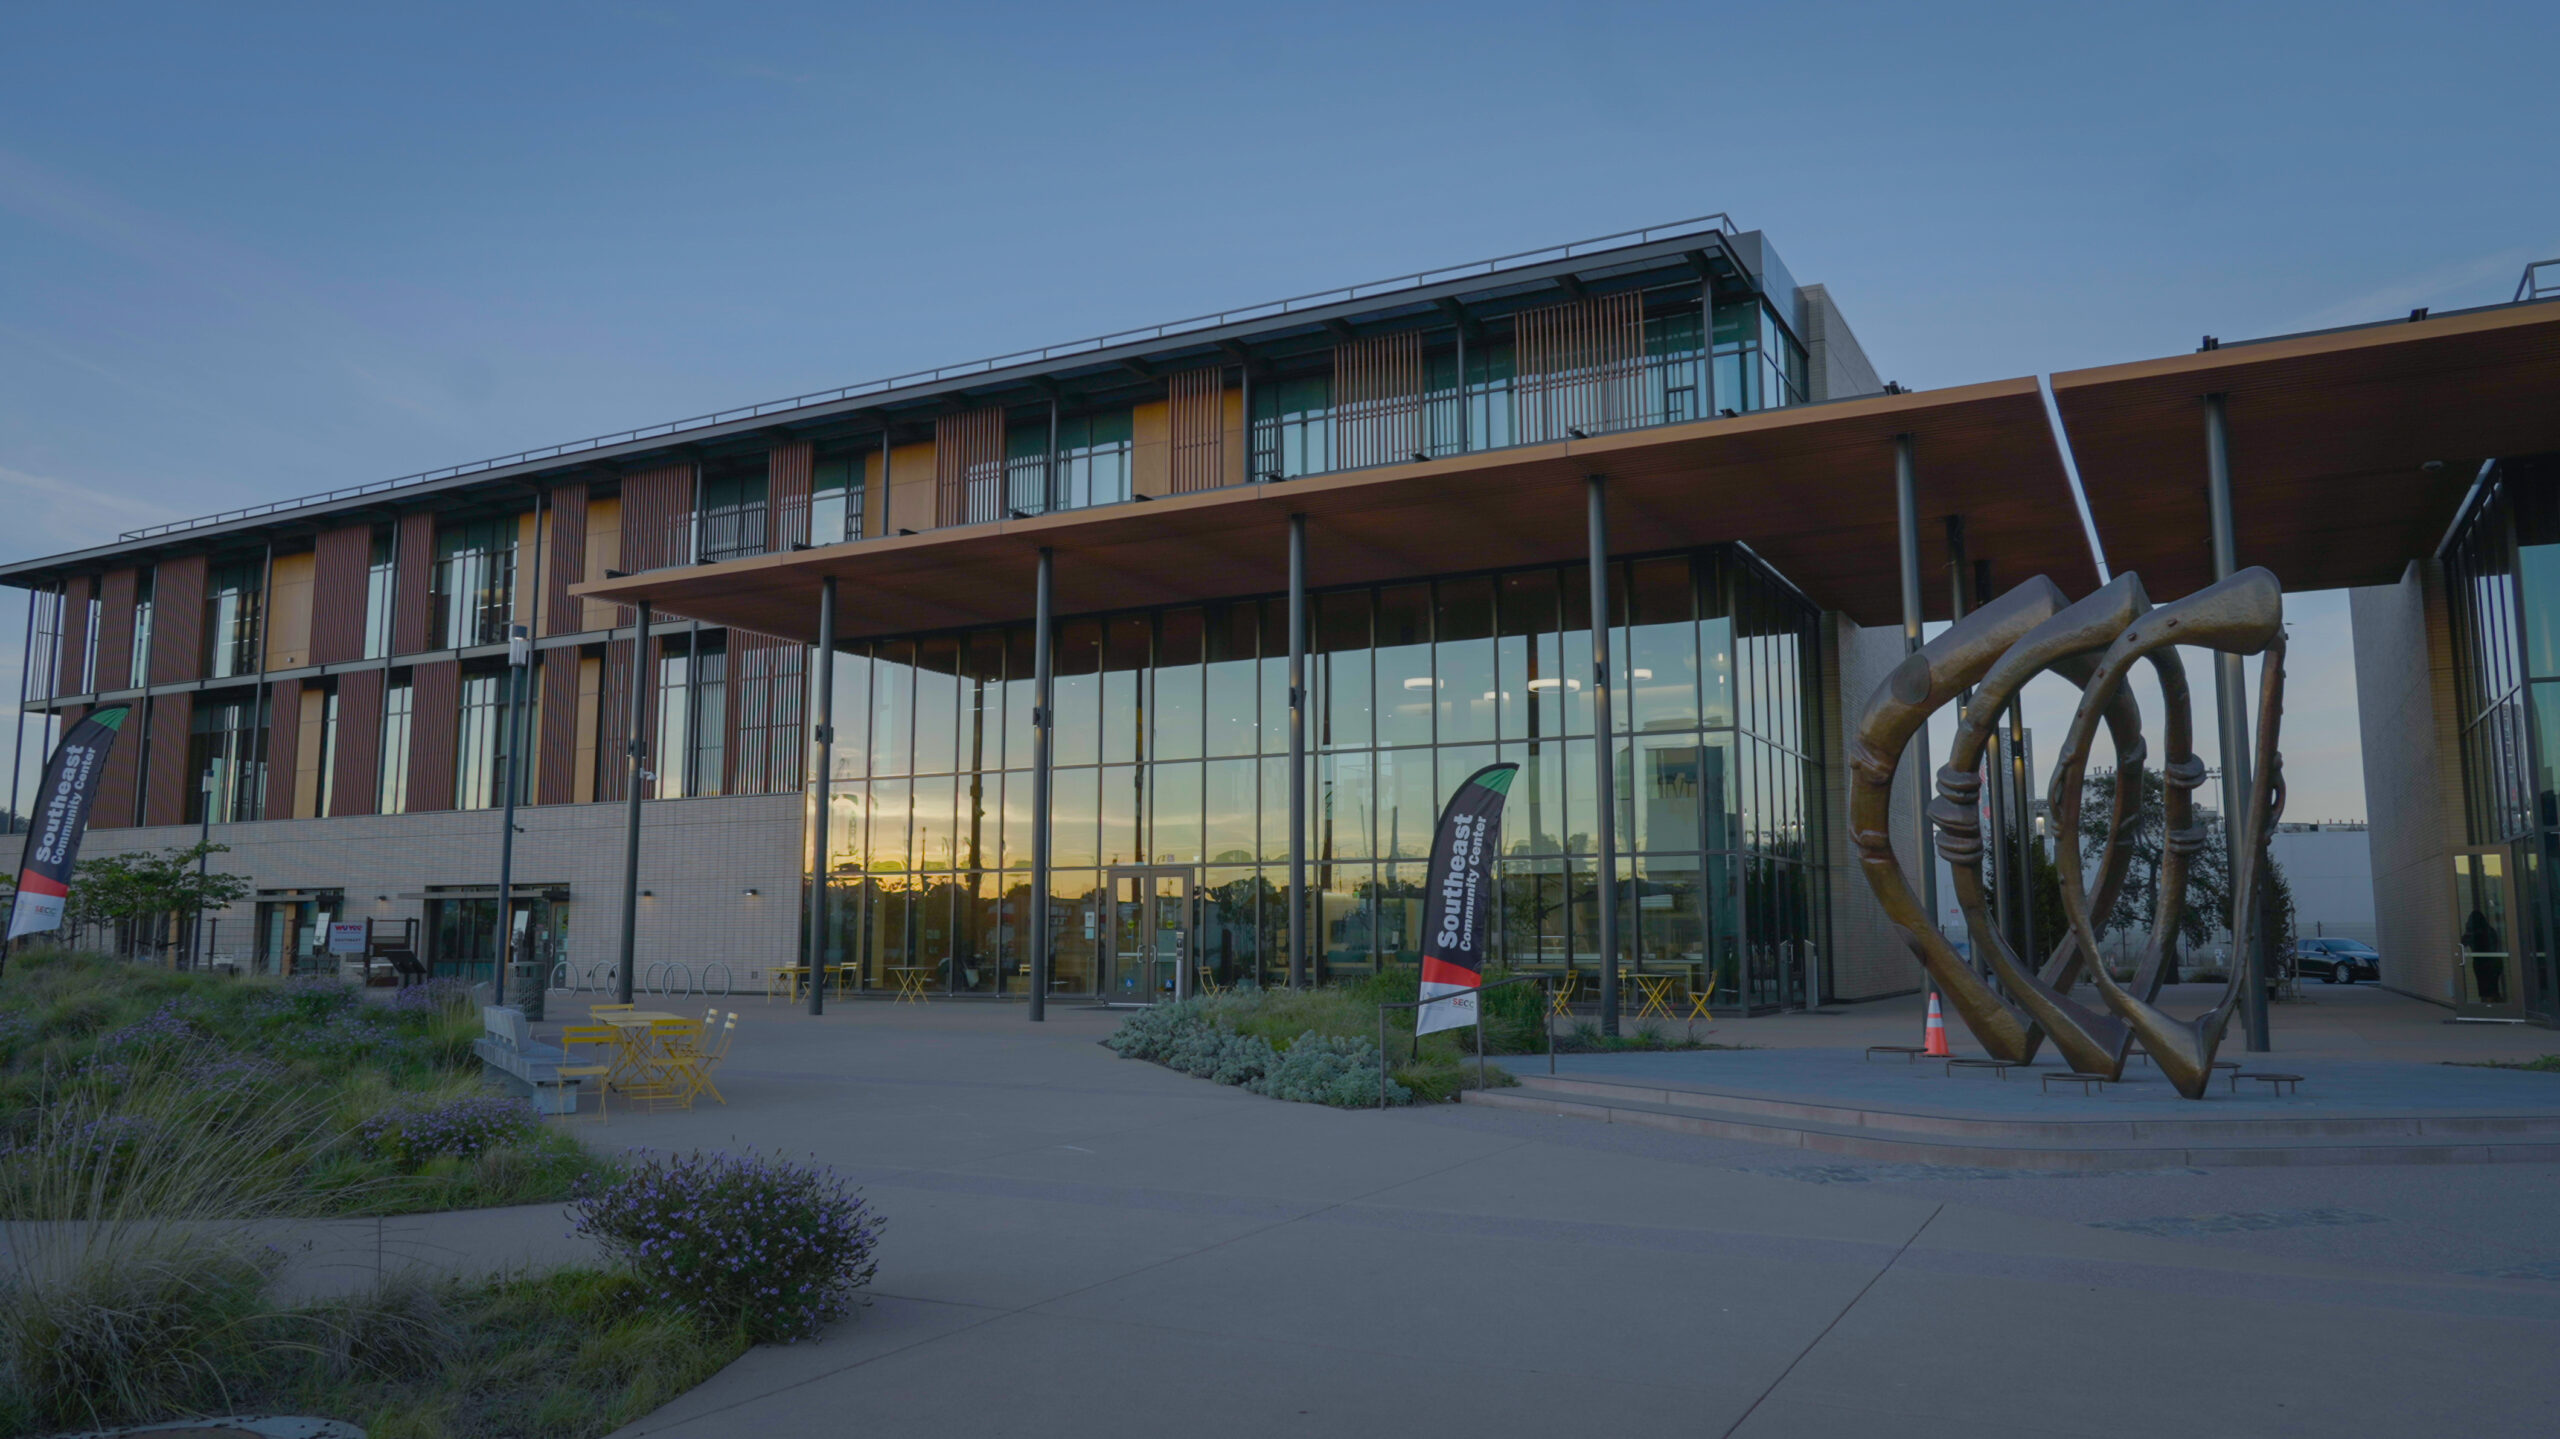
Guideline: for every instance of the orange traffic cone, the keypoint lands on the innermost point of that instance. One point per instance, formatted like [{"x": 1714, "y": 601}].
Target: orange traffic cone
[{"x": 1934, "y": 1042}]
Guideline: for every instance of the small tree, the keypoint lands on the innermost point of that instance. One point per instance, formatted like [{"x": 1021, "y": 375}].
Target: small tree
[
  {"x": 149, "y": 892},
  {"x": 2208, "y": 869}
]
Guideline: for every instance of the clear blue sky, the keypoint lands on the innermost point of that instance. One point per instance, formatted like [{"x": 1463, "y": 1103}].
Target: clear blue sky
[{"x": 248, "y": 252}]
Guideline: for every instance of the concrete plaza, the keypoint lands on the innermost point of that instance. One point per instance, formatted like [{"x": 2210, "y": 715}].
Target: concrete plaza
[{"x": 1080, "y": 1244}]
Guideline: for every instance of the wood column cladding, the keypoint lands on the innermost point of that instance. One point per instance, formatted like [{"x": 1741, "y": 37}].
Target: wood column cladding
[
  {"x": 566, "y": 565},
  {"x": 341, "y": 563},
  {"x": 968, "y": 467},
  {"x": 787, "y": 469},
  {"x": 356, "y": 786},
  {"x": 284, "y": 743},
  {"x": 1198, "y": 417},
  {"x": 115, "y": 648},
  {"x": 165, "y": 801},
  {"x": 657, "y": 518},
  {"x": 1377, "y": 400},
  {"x": 613, "y": 758},
  {"x": 1580, "y": 367},
  {"x": 556, "y": 735},
  {"x": 435, "y": 721},
  {"x": 177, "y": 632},
  {"x": 70, "y": 677},
  {"x": 413, "y": 578}
]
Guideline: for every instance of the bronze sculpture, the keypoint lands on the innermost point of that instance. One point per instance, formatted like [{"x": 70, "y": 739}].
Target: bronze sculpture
[{"x": 2009, "y": 1007}]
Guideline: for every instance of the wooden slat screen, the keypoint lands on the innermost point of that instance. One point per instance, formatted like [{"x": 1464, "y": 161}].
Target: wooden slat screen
[
  {"x": 786, "y": 494},
  {"x": 114, "y": 807},
  {"x": 341, "y": 560},
  {"x": 355, "y": 788},
  {"x": 115, "y": 640},
  {"x": 613, "y": 723},
  {"x": 1377, "y": 400},
  {"x": 284, "y": 738},
  {"x": 435, "y": 727},
  {"x": 556, "y": 738},
  {"x": 768, "y": 689},
  {"x": 166, "y": 799},
  {"x": 71, "y": 677},
  {"x": 177, "y": 623},
  {"x": 657, "y": 520},
  {"x": 566, "y": 564},
  {"x": 1197, "y": 415},
  {"x": 412, "y": 580},
  {"x": 968, "y": 467},
  {"x": 1580, "y": 367}
]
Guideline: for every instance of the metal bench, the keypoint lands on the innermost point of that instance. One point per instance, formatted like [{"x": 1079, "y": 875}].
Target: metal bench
[
  {"x": 2280, "y": 1083},
  {"x": 2000, "y": 1067},
  {"x": 1910, "y": 1052},
  {"x": 2088, "y": 1082},
  {"x": 507, "y": 1045}
]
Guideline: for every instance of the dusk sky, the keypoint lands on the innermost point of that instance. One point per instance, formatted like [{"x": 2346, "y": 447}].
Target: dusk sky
[{"x": 253, "y": 252}]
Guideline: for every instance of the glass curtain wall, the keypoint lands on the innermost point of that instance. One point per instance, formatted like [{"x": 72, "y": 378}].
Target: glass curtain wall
[
  {"x": 231, "y": 596},
  {"x": 226, "y": 757},
  {"x": 2502, "y": 584},
  {"x": 474, "y": 583},
  {"x": 1172, "y": 750}
]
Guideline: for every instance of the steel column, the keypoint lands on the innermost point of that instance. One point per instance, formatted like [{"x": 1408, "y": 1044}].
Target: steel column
[
  {"x": 1297, "y": 751},
  {"x": 2231, "y": 703},
  {"x": 1906, "y": 497},
  {"x": 638, "y": 750},
  {"x": 822, "y": 728},
  {"x": 1596, "y": 528},
  {"x": 1043, "y": 758},
  {"x": 519, "y": 656},
  {"x": 18, "y": 754}
]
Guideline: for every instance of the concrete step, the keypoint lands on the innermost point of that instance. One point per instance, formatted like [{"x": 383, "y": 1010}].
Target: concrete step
[{"x": 2040, "y": 1144}]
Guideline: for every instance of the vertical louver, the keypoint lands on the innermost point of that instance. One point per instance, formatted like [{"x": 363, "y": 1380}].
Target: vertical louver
[
  {"x": 1197, "y": 417},
  {"x": 557, "y": 737},
  {"x": 412, "y": 569},
  {"x": 177, "y": 631},
  {"x": 1377, "y": 400},
  {"x": 165, "y": 801},
  {"x": 435, "y": 726},
  {"x": 341, "y": 561},
  {"x": 566, "y": 565},
  {"x": 968, "y": 467},
  {"x": 354, "y": 789},
  {"x": 1580, "y": 366},
  {"x": 786, "y": 495}
]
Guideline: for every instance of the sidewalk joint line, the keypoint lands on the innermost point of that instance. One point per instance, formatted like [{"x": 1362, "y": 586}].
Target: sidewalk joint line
[{"x": 1816, "y": 1340}]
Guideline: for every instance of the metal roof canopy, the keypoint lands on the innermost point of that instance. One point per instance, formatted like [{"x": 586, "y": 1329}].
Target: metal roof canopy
[
  {"x": 1810, "y": 488},
  {"x": 867, "y": 406},
  {"x": 2331, "y": 438}
]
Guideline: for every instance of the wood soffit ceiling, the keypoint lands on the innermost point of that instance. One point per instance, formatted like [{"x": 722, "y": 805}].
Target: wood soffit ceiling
[{"x": 2331, "y": 438}]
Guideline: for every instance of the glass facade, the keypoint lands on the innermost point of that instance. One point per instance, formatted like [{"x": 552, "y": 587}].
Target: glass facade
[
  {"x": 1171, "y": 760},
  {"x": 226, "y": 755},
  {"x": 231, "y": 594},
  {"x": 2502, "y": 586},
  {"x": 475, "y": 575}
]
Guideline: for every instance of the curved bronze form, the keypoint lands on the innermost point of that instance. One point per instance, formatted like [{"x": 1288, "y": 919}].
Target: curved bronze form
[
  {"x": 2094, "y": 1041},
  {"x": 1918, "y": 687},
  {"x": 1996, "y": 650},
  {"x": 2240, "y": 615}
]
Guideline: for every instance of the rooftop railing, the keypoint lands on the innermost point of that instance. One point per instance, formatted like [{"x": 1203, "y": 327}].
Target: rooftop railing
[
  {"x": 2535, "y": 285},
  {"x": 1716, "y": 224}
]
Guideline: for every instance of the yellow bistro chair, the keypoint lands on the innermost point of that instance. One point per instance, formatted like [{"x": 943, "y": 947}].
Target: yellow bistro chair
[{"x": 608, "y": 1043}]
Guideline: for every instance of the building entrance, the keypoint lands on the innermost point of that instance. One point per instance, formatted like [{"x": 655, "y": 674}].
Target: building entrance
[
  {"x": 2484, "y": 906},
  {"x": 1152, "y": 938}
]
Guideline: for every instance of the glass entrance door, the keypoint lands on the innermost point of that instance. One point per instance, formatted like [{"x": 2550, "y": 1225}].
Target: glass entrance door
[
  {"x": 1152, "y": 934},
  {"x": 2485, "y": 982}
]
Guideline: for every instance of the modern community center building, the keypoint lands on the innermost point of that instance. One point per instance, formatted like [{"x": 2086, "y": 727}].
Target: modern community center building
[{"x": 1296, "y": 570}]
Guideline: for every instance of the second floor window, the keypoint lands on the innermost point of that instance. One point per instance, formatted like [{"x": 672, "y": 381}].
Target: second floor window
[
  {"x": 482, "y": 729},
  {"x": 141, "y": 672},
  {"x": 89, "y": 676},
  {"x": 392, "y": 794},
  {"x": 231, "y": 619},
  {"x": 835, "y": 500},
  {"x": 1293, "y": 427},
  {"x": 731, "y": 522},
  {"x": 475, "y": 577},
  {"x": 1093, "y": 460},
  {"x": 226, "y": 766}
]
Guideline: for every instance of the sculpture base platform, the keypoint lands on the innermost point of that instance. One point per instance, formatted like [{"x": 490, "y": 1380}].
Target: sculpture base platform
[{"x": 1836, "y": 1101}]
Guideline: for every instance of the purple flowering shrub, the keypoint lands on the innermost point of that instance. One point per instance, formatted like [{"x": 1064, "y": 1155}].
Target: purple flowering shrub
[
  {"x": 774, "y": 1247},
  {"x": 458, "y": 1129}
]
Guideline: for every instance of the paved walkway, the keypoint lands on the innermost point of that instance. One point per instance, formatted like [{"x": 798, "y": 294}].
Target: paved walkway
[{"x": 1080, "y": 1244}]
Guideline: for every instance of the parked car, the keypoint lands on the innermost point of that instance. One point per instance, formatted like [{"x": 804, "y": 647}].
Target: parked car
[{"x": 2339, "y": 961}]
